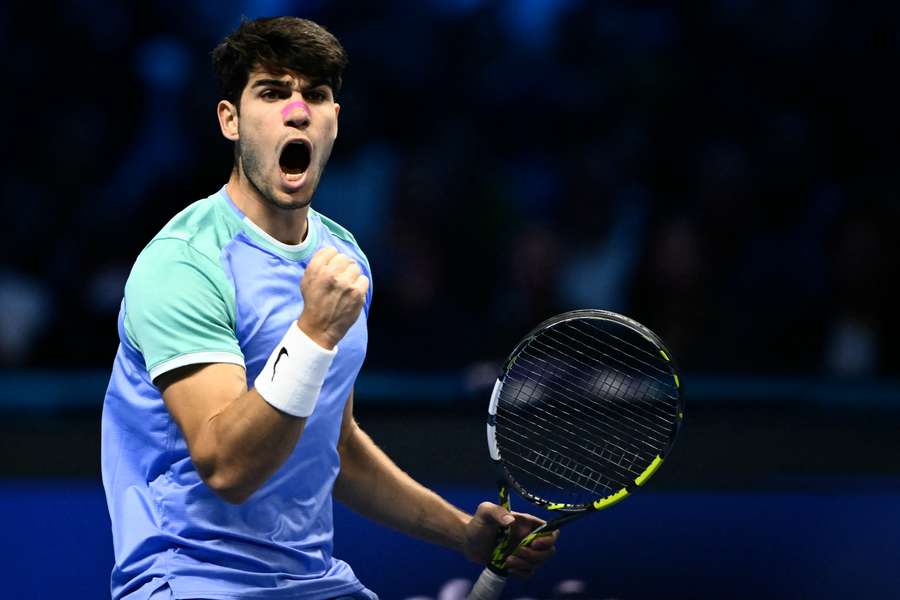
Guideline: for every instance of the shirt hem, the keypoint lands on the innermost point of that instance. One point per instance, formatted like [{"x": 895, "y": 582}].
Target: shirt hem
[
  {"x": 195, "y": 358},
  {"x": 347, "y": 588}
]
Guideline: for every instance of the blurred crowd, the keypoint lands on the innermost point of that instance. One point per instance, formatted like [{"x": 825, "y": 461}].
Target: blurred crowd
[{"x": 724, "y": 172}]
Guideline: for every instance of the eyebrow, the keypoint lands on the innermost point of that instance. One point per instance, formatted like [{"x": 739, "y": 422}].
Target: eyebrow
[{"x": 281, "y": 83}]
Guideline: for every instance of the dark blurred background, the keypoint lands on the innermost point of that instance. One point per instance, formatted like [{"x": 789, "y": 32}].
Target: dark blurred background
[{"x": 724, "y": 172}]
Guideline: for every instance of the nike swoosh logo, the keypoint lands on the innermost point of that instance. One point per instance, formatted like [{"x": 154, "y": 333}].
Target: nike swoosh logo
[{"x": 282, "y": 352}]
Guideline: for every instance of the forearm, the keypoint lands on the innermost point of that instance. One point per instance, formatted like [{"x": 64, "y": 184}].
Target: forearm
[
  {"x": 372, "y": 485},
  {"x": 251, "y": 436},
  {"x": 242, "y": 445}
]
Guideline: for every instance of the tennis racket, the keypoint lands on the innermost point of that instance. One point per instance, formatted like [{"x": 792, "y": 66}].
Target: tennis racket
[{"x": 586, "y": 409}]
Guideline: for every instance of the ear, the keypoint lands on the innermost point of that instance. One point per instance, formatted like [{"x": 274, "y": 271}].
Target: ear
[
  {"x": 228, "y": 120},
  {"x": 337, "y": 113}
]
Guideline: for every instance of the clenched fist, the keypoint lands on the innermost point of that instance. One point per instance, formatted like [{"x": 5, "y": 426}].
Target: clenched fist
[{"x": 334, "y": 291}]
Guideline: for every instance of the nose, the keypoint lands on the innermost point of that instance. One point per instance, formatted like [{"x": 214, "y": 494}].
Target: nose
[{"x": 296, "y": 114}]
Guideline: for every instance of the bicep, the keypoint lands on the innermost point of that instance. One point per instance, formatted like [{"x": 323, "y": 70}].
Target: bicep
[{"x": 195, "y": 394}]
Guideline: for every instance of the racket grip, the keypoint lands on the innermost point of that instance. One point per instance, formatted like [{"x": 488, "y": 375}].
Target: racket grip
[{"x": 488, "y": 587}]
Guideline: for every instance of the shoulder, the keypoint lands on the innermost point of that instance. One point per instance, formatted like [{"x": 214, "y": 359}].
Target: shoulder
[
  {"x": 334, "y": 227},
  {"x": 202, "y": 229},
  {"x": 179, "y": 303},
  {"x": 183, "y": 259},
  {"x": 341, "y": 236}
]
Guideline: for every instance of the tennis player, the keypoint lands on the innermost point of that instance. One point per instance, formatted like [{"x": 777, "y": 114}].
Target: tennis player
[{"x": 228, "y": 421}]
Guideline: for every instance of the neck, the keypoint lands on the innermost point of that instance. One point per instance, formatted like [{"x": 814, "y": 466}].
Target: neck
[{"x": 285, "y": 225}]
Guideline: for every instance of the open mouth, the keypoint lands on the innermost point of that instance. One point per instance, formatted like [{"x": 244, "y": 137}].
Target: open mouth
[{"x": 294, "y": 158}]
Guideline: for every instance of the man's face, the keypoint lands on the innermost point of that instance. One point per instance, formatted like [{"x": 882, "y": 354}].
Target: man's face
[{"x": 285, "y": 131}]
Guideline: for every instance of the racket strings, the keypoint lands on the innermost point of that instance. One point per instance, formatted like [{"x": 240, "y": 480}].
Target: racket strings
[
  {"x": 598, "y": 365},
  {"x": 604, "y": 418},
  {"x": 548, "y": 470},
  {"x": 587, "y": 401},
  {"x": 599, "y": 389},
  {"x": 553, "y": 435},
  {"x": 584, "y": 414},
  {"x": 550, "y": 353},
  {"x": 668, "y": 382},
  {"x": 614, "y": 471},
  {"x": 604, "y": 426},
  {"x": 602, "y": 460},
  {"x": 653, "y": 356},
  {"x": 587, "y": 480},
  {"x": 556, "y": 436},
  {"x": 565, "y": 477},
  {"x": 644, "y": 368},
  {"x": 561, "y": 466}
]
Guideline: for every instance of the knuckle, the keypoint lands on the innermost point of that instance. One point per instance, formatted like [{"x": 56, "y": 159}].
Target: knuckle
[{"x": 323, "y": 255}]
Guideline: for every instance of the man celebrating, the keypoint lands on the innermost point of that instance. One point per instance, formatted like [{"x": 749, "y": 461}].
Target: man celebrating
[{"x": 228, "y": 420}]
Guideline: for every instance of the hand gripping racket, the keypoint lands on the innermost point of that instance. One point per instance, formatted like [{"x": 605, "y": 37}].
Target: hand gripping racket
[{"x": 586, "y": 409}]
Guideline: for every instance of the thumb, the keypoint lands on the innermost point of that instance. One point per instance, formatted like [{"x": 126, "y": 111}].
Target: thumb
[{"x": 494, "y": 514}]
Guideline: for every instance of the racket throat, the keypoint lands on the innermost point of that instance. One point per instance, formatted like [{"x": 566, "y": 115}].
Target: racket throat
[{"x": 505, "y": 547}]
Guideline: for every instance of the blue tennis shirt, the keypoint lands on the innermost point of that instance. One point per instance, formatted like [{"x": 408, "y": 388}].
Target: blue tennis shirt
[{"x": 214, "y": 287}]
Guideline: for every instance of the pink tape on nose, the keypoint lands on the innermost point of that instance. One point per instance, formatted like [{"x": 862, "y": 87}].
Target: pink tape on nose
[{"x": 287, "y": 110}]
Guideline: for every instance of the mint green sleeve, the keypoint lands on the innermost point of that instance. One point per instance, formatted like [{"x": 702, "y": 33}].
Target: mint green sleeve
[{"x": 180, "y": 308}]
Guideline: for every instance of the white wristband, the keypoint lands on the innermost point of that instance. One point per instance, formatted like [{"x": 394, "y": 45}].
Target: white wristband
[{"x": 294, "y": 374}]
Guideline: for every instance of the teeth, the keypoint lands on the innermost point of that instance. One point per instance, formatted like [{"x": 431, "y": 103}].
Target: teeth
[{"x": 292, "y": 177}]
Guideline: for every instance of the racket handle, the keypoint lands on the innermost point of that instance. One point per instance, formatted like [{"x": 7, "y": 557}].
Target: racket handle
[{"x": 488, "y": 587}]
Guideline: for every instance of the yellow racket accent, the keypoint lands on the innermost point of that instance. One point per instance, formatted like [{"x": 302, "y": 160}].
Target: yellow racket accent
[
  {"x": 500, "y": 552},
  {"x": 610, "y": 500},
  {"x": 498, "y": 557},
  {"x": 649, "y": 471},
  {"x": 533, "y": 536},
  {"x": 504, "y": 497}
]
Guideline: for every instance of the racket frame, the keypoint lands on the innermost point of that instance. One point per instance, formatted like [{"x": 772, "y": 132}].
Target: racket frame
[{"x": 568, "y": 512}]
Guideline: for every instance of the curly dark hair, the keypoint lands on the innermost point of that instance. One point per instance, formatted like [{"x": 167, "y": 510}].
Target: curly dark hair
[{"x": 279, "y": 45}]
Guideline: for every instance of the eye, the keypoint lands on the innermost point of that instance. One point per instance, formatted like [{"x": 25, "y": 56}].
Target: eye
[
  {"x": 316, "y": 95},
  {"x": 272, "y": 94}
]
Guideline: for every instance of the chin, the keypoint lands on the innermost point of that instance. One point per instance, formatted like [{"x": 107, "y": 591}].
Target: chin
[
  {"x": 292, "y": 201},
  {"x": 287, "y": 201}
]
